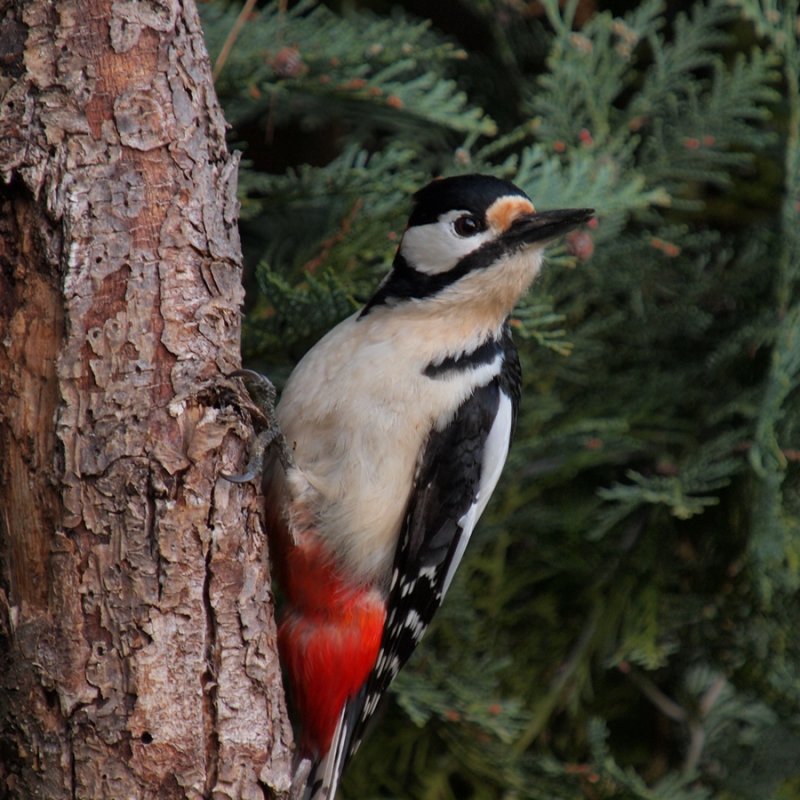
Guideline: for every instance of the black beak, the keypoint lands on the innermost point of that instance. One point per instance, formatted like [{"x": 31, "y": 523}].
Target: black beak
[{"x": 545, "y": 225}]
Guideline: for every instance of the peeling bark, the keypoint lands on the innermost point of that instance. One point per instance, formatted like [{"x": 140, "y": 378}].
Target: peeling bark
[{"x": 137, "y": 640}]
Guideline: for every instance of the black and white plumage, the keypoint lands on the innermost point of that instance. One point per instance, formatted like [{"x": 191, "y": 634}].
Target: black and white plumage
[
  {"x": 457, "y": 473},
  {"x": 400, "y": 421}
]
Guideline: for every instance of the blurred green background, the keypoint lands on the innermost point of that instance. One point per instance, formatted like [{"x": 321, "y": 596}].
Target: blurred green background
[{"x": 625, "y": 624}]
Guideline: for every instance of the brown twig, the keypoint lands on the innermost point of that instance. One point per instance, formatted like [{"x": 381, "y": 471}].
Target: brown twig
[{"x": 231, "y": 38}]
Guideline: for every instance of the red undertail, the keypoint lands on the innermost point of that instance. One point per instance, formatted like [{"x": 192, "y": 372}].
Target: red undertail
[{"x": 329, "y": 640}]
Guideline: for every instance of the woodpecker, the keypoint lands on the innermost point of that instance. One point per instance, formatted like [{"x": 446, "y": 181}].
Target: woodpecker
[{"x": 398, "y": 423}]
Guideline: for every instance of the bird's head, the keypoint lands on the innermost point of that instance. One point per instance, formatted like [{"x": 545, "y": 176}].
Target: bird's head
[{"x": 473, "y": 241}]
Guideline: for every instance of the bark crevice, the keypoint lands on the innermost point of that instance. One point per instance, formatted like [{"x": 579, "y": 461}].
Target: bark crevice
[{"x": 210, "y": 679}]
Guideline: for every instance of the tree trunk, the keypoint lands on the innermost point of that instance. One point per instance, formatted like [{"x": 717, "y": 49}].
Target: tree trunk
[{"x": 137, "y": 641}]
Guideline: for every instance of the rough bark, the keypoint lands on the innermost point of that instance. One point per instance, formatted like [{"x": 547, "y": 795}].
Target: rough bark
[{"x": 137, "y": 642}]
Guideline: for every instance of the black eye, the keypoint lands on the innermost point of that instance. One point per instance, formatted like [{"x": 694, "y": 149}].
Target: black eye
[{"x": 467, "y": 225}]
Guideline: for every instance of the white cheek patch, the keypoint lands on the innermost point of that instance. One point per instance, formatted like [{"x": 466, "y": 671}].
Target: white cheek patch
[{"x": 436, "y": 247}]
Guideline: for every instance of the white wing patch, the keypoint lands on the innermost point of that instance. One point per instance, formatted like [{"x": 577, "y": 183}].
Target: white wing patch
[{"x": 495, "y": 453}]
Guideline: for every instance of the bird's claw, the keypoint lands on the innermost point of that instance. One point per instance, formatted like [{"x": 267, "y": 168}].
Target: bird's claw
[
  {"x": 255, "y": 465},
  {"x": 261, "y": 390},
  {"x": 262, "y": 393}
]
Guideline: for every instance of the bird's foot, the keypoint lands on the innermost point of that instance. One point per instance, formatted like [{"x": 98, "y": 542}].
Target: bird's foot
[{"x": 262, "y": 394}]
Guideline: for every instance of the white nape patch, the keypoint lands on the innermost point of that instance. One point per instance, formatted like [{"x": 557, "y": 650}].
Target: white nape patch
[
  {"x": 495, "y": 452},
  {"x": 436, "y": 247}
]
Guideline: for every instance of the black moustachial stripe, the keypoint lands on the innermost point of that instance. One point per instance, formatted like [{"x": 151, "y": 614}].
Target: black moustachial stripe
[{"x": 406, "y": 283}]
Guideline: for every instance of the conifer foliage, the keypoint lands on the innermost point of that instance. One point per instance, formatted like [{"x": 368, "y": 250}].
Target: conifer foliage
[{"x": 625, "y": 624}]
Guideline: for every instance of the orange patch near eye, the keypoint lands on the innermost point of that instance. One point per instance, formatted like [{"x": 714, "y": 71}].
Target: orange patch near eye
[{"x": 505, "y": 210}]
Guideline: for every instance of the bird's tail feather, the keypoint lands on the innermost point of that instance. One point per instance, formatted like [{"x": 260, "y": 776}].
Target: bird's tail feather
[{"x": 323, "y": 779}]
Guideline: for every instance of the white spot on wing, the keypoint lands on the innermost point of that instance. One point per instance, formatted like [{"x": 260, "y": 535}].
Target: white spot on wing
[{"x": 414, "y": 624}]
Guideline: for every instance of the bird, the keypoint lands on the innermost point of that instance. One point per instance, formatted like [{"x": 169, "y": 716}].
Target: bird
[{"x": 396, "y": 427}]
